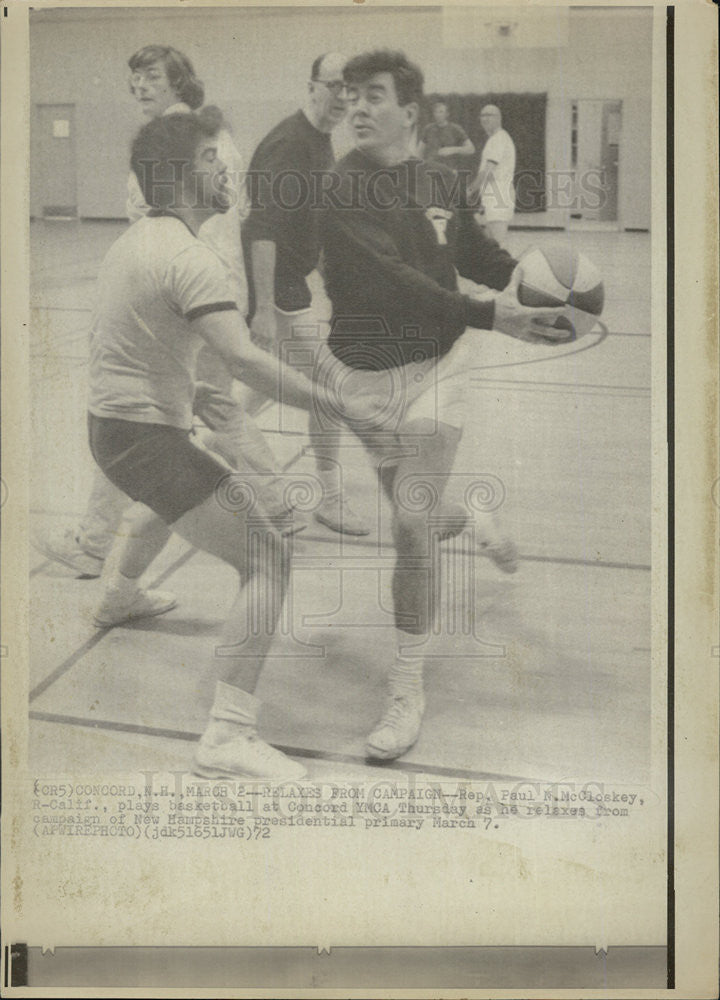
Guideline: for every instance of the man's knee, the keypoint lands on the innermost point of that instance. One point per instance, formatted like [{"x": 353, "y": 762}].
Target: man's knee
[{"x": 410, "y": 530}]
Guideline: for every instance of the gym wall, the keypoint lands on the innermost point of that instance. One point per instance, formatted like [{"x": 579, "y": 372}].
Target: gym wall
[{"x": 255, "y": 65}]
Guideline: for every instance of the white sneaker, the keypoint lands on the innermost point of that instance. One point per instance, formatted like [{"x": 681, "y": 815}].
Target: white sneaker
[
  {"x": 66, "y": 549},
  {"x": 336, "y": 513},
  {"x": 399, "y": 726},
  {"x": 246, "y": 756},
  {"x": 114, "y": 609}
]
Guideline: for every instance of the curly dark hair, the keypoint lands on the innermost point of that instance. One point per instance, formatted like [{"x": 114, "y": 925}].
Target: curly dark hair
[
  {"x": 407, "y": 76},
  {"x": 168, "y": 144}
]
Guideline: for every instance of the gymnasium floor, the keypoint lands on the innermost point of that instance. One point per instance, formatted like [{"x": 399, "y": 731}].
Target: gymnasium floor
[{"x": 552, "y": 681}]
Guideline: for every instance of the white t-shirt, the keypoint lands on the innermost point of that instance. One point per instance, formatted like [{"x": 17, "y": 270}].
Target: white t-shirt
[
  {"x": 498, "y": 195},
  {"x": 156, "y": 278},
  {"x": 222, "y": 231}
]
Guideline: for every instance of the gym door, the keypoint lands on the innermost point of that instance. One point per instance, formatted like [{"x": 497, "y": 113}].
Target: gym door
[
  {"x": 55, "y": 149},
  {"x": 595, "y": 155}
]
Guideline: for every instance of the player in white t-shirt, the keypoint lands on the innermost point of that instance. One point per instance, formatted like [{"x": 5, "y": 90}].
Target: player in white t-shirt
[
  {"x": 163, "y": 81},
  {"x": 494, "y": 180},
  {"x": 162, "y": 294}
]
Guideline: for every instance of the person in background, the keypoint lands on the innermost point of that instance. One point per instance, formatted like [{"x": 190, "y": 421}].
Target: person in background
[
  {"x": 445, "y": 141},
  {"x": 282, "y": 250},
  {"x": 494, "y": 181}
]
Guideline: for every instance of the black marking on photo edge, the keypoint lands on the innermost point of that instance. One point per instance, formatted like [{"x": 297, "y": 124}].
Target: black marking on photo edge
[
  {"x": 670, "y": 209},
  {"x": 18, "y": 965}
]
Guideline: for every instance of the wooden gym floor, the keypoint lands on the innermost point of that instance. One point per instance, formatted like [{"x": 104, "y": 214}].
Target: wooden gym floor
[{"x": 552, "y": 681}]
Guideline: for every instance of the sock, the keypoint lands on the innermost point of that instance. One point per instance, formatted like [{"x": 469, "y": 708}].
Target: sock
[
  {"x": 232, "y": 710},
  {"x": 406, "y": 675},
  {"x": 124, "y": 587},
  {"x": 330, "y": 480},
  {"x": 271, "y": 491}
]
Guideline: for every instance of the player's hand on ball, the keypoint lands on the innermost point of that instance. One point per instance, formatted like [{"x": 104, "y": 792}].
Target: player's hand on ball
[
  {"x": 524, "y": 322},
  {"x": 263, "y": 328}
]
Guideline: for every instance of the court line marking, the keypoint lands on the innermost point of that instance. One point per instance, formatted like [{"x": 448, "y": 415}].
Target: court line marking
[
  {"x": 600, "y": 564},
  {"x": 562, "y": 560},
  {"x": 474, "y": 379},
  {"x": 319, "y": 755},
  {"x": 602, "y": 393},
  {"x": 564, "y": 385},
  {"x": 55, "y": 513},
  {"x": 76, "y": 309},
  {"x": 520, "y": 385},
  {"x": 309, "y": 536},
  {"x": 385, "y": 550},
  {"x": 43, "y": 565},
  {"x": 88, "y": 309},
  {"x": 69, "y": 662},
  {"x": 77, "y": 361},
  {"x": 66, "y": 664}
]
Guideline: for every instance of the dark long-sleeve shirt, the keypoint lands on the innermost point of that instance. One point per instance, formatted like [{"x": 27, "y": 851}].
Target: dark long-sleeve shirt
[
  {"x": 393, "y": 239},
  {"x": 283, "y": 181}
]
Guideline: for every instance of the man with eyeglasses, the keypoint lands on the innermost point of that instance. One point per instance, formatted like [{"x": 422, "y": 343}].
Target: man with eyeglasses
[{"x": 281, "y": 242}]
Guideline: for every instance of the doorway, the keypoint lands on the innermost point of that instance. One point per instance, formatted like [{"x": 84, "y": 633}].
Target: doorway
[
  {"x": 55, "y": 173},
  {"x": 596, "y": 128}
]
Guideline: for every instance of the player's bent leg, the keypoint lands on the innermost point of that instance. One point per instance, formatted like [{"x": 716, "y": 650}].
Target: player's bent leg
[
  {"x": 421, "y": 518},
  {"x": 446, "y": 405},
  {"x": 230, "y": 745},
  {"x": 417, "y": 481},
  {"x": 105, "y": 509},
  {"x": 335, "y": 510},
  {"x": 159, "y": 465},
  {"x": 84, "y": 548},
  {"x": 234, "y": 435},
  {"x": 239, "y": 441},
  {"x": 123, "y": 598}
]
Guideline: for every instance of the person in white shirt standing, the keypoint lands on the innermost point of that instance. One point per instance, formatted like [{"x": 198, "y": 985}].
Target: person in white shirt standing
[{"x": 494, "y": 181}]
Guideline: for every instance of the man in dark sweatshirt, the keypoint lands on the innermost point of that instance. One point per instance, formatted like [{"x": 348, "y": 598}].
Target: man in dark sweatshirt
[
  {"x": 395, "y": 234},
  {"x": 281, "y": 242}
]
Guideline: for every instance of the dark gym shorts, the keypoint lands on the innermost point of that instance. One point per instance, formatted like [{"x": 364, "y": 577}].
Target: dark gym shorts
[{"x": 155, "y": 464}]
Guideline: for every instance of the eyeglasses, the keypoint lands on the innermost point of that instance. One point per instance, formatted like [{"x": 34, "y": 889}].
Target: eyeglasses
[
  {"x": 151, "y": 76},
  {"x": 336, "y": 87}
]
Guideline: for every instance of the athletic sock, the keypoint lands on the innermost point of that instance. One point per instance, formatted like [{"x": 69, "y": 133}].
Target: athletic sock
[
  {"x": 330, "y": 480},
  {"x": 233, "y": 709},
  {"x": 123, "y": 586},
  {"x": 406, "y": 675}
]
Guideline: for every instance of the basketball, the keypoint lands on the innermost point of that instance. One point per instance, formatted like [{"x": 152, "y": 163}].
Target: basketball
[{"x": 561, "y": 276}]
